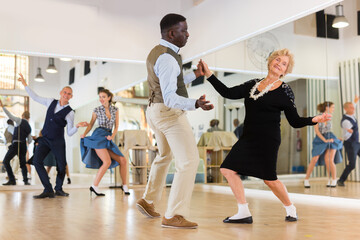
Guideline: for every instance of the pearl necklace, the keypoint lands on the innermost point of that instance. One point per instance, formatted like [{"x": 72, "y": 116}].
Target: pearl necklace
[{"x": 265, "y": 90}]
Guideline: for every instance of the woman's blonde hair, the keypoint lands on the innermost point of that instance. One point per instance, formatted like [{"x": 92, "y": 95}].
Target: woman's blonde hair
[{"x": 282, "y": 52}]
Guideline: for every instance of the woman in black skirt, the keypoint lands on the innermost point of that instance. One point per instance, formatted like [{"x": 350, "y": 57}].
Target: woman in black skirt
[{"x": 255, "y": 153}]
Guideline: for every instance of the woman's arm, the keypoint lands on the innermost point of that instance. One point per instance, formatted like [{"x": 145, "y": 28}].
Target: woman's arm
[
  {"x": 292, "y": 115},
  {"x": 89, "y": 127},
  {"x": 116, "y": 126},
  {"x": 236, "y": 92},
  {"x": 318, "y": 133}
]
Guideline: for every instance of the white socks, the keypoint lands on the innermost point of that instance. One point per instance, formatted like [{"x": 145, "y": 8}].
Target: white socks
[
  {"x": 125, "y": 188},
  {"x": 306, "y": 183},
  {"x": 333, "y": 182},
  {"x": 328, "y": 183},
  {"x": 291, "y": 211},
  {"x": 243, "y": 212}
]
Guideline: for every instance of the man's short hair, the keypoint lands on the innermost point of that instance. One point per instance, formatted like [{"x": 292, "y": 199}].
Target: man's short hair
[
  {"x": 10, "y": 122},
  {"x": 68, "y": 88},
  {"x": 347, "y": 104},
  {"x": 236, "y": 122},
  {"x": 26, "y": 115},
  {"x": 170, "y": 20}
]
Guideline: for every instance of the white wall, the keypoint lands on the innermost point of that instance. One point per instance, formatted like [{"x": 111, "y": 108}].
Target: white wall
[
  {"x": 352, "y": 40},
  {"x": 228, "y": 22},
  {"x": 106, "y": 29},
  {"x": 316, "y": 57},
  {"x": 50, "y": 89},
  {"x": 126, "y": 30},
  {"x": 113, "y": 76}
]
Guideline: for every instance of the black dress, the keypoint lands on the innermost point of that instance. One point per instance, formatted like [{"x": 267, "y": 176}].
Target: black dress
[{"x": 255, "y": 153}]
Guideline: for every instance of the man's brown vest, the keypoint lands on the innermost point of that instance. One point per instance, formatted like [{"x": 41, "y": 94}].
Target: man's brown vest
[{"x": 155, "y": 94}]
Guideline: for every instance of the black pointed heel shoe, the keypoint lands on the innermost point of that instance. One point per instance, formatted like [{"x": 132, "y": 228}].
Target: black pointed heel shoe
[
  {"x": 247, "y": 220},
  {"x": 126, "y": 193},
  {"x": 291, "y": 219},
  {"x": 92, "y": 190}
]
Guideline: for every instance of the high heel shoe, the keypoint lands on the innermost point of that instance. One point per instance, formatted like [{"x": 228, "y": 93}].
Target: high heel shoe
[
  {"x": 92, "y": 190},
  {"x": 126, "y": 193}
]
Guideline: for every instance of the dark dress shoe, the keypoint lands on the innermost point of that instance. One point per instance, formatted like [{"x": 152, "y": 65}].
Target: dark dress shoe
[
  {"x": 246, "y": 220},
  {"x": 69, "y": 181},
  {"x": 9, "y": 183},
  {"x": 340, "y": 183},
  {"x": 291, "y": 219},
  {"x": 27, "y": 183},
  {"x": 45, "y": 195},
  {"x": 61, "y": 193}
]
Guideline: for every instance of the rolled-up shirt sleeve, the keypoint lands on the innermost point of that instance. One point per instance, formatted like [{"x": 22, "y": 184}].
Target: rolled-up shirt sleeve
[
  {"x": 29, "y": 139},
  {"x": 167, "y": 70},
  {"x": 37, "y": 98},
  {"x": 346, "y": 124},
  {"x": 188, "y": 78},
  {"x": 70, "y": 128},
  {"x": 17, "y": 120}
]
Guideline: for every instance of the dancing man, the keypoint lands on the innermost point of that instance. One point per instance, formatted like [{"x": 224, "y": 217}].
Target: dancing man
[
  {"x": 350, "y": 129},
  {"x": 167, "y": 117},
  {"x": 18, "y": 145},
  {"x": 59, "y": 114}
]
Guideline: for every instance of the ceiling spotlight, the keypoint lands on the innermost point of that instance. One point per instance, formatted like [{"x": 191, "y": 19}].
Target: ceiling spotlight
[
  {"x": 66, "y": 59},
  {"x": 39, "y": 77},
  {"x": 51, "y": 68},
  {"x": 340, "y": 21}
]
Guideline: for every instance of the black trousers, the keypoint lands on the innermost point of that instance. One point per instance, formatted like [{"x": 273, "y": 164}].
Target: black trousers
[
  {"x": 19, "y": 149},
  {"x": 352, "y": 150},
  {"x": 57, "y": 147}
]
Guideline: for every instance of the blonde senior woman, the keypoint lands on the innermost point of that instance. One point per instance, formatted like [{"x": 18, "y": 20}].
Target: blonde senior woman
[{"x": 255, "y": 153}]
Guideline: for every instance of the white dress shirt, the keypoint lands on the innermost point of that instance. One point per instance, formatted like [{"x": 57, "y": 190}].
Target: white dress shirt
[
  {"x": 10, "y": 129},
  {"x": 71, "y": 129},
  {"x": 346, "y": 124},
  {"x": 167, "y": 70}
]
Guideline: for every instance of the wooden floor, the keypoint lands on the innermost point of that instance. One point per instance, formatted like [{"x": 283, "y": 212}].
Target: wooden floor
[
  {"x": 318, "y": 187},
  {"x": 115, "y": 216}
]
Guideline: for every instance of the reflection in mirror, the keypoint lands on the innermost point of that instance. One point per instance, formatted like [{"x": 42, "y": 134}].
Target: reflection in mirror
[
  {"x": 326, "y": 69},
  {"x": 13, "y": 112},
  {"x": 85, "y": 78},
  {"x": 315, "y": 79}
]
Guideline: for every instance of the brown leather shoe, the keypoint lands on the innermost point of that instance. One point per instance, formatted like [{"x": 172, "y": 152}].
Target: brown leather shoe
[
  {"x": 177, "y": 221},
  {"x": 147, "y": 209}
]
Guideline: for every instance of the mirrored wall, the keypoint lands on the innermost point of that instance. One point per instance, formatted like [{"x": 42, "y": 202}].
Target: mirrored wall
[{"x": 326, "y": 69}]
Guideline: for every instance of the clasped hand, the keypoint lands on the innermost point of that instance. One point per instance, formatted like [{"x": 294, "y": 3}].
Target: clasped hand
[
  {"x": 322, "y": 118},
  {"x": 82, "y": 124}
]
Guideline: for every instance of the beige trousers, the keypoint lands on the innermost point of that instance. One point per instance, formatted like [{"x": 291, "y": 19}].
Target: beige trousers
[{"x": 173, "y": 134}]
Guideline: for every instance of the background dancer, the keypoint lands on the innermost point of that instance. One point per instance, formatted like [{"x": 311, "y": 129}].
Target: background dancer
[
  {"x": 99, "y": 151},
  {"x": 59, "y": 114}
]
